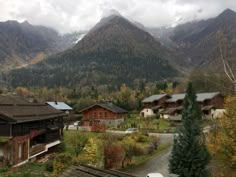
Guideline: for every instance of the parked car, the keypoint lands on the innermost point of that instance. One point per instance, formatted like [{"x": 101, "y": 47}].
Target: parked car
[
  {"x": 76, "y": 123},
  {"x": 131, "y": 130},
  {"x": 154, "y": 175}
]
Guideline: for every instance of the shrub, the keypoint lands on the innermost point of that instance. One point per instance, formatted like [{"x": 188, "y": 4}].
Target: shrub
[
  {"x": 150, "y": 148},
  {"x": 49, "y": 166},
  {"x": 155, "y": 141},
  {"x": 60, "y": 163},
  {"x": 4, "y": 169}
]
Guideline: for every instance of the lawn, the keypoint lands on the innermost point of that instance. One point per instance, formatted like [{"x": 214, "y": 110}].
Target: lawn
[
  {"x": 33, "y": 169},
  {"x": 150, "y": 124},
  {"x": 67, "y": 134}
]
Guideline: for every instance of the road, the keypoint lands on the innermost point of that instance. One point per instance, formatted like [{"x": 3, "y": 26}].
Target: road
[{"x": 158, "y": 164}]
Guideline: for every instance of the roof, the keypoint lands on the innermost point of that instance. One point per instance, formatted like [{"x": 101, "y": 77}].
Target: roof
[
  {"x": 153, "y": 98},
  {"x": 171, "y": 110},
  {"x": 155, "y": 107},
  {"x": 17, "y": 109},
  {"x": 108, "y": 106},
  {"x": 204, "y": 96},
  {"x": 176, "y": 97},
  {"x": 207, "y": 108},
  {"x": 200, "y": 96},
  {"x": 59, "y": 105},
  {"x": 87, "y": 171}
]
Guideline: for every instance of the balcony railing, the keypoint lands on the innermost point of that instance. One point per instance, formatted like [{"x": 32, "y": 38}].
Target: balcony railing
[{"x": 37, "y": 149}]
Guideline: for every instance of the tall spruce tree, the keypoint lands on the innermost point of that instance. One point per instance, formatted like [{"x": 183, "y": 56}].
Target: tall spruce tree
[{"x": 189, "y": 156}]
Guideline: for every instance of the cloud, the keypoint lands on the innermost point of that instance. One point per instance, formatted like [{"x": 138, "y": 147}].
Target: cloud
[{"x": 74, "y": 15}]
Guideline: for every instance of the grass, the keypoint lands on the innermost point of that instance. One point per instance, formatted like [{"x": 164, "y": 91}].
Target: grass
[
  {"x": 68, "y": 133},
  {"x": 150, "y": 124},
  {"x": 33, "y": 169}
]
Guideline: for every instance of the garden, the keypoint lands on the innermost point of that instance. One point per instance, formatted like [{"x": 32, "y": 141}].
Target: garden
[{"x": 101, "y": 150}]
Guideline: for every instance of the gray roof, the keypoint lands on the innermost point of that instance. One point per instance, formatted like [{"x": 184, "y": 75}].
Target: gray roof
[
  {"x": 176, "y": 97},
  {"x": 108, "y": 106},
  {"x": 87, "y": 171},
  {"x": 204, "y": 96},
  {"x": 153, "y": 98},
  {"x": 59, "y": 105},
  {"x": 200, "y": 96},
  {"x": 17, "y": 110}
]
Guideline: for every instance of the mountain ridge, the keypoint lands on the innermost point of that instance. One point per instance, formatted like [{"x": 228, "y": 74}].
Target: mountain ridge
[{"x": 115, "y": 53}]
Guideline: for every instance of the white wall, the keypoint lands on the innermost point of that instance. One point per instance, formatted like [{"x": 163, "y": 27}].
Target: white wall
[{"x": 146, "y": 112}]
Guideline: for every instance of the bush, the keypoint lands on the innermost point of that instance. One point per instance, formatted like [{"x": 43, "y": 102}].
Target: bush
[
  {"x": 139, "y": 137},
  {"x": 155, "y": 141},
  {"x": 60, "y": 163},
  {"x": 150, "y": 148},
  {"x": 49, "y": 166},
  {"x": 4, "y": 169}
]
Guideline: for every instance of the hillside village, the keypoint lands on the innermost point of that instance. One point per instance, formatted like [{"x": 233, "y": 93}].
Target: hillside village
[
  {"x": 87, "y": 91},
  {"x": 32, "y": 131}
]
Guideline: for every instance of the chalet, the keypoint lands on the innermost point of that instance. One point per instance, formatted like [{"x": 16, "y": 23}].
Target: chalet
[
  {"x": 153, "y": 104},
  {"x": 88, "y": 171},
  {"x": 107, "y": 113},
  {"x": 27, "y": 130},
  {"x": 212, "y": 105}
]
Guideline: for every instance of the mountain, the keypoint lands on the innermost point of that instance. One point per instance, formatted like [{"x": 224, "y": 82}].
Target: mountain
[
  {"x": 115, "y": 51},
  {"x": 197, "y": 41},
  {"x": 23, "y": 43}
]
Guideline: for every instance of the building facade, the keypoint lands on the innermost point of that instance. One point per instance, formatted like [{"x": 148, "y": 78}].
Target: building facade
[
  {"x": 27, "y": 130},
  {"x": 211, "y": 104},
  {"x": 107, "y": 113}
]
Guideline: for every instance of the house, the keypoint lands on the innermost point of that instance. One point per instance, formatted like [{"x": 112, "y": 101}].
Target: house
[
  {"x": 60, "y": 106},
  {"x": 153, "y": 104},
  {"x": 27, "y": 130},
  {"x": 107, "y": 113},
  {"x": 88, "y": 171},
  {"x": 212, "y": 105}
]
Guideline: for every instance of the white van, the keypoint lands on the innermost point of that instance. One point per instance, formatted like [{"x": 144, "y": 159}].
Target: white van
[{"x": 154, "y": 175}]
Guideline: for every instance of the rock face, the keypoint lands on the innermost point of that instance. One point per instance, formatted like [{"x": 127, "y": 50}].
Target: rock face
[
  {"x": 115, "y": 51},
  {"x": 23, "y": 43}
]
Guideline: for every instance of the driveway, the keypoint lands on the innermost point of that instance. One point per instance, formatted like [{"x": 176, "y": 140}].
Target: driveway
[{"x": 158, "y": 164}]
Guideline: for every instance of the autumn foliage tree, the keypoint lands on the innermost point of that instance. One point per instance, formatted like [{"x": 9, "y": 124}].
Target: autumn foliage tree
[{"x": 222, "y": 140}]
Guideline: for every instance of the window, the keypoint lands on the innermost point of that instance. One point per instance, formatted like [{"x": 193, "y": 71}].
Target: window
[
  {"x": 105, "y": 114},
  {"x": 20, "y": 151},
  {"x": 100, "y": 114},
  {"x": 94, "y": 114}
]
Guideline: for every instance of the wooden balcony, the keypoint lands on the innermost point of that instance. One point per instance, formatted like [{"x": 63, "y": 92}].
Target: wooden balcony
[{"x": 37, "y": 149}]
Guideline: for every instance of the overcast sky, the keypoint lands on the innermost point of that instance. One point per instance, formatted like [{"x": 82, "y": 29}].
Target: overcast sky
[{"x": 75, "y": 15}]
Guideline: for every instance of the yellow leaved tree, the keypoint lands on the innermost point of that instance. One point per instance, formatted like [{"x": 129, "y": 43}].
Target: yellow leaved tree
[{"x": 222, "y": 140}]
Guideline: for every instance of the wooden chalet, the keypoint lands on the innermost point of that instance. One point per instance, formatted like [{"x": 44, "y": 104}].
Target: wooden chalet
[
  {"x": 107, "y": 113},
  {"x": 87, "y": 171},
  {"x": 27, "y": 130},
  {"x": 153, "y": 104},
  {"x": 212, "y": 105}
]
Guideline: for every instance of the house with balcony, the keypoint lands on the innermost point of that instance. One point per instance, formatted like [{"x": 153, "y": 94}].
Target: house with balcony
[
  {"x": 27, "y": 130},
  {"x": 107, "y": 113},
  {"x": 152, "y": 105},
  {"x": 170, "y": 106}
]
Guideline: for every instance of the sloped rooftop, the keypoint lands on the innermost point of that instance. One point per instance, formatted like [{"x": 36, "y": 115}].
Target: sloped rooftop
[
  {"x": 108, "y": 106},
  {"x": 87, "y": 171},
  {"x": 153, "y": 98},
  {"x": 17, "y": 109},
  {"x": 200, "y": 96},
  {"x": 59, "y": 105}
]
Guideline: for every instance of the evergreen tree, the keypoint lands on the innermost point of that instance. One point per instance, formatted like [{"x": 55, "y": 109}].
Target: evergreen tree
[{"x": 189, "y": 157}]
